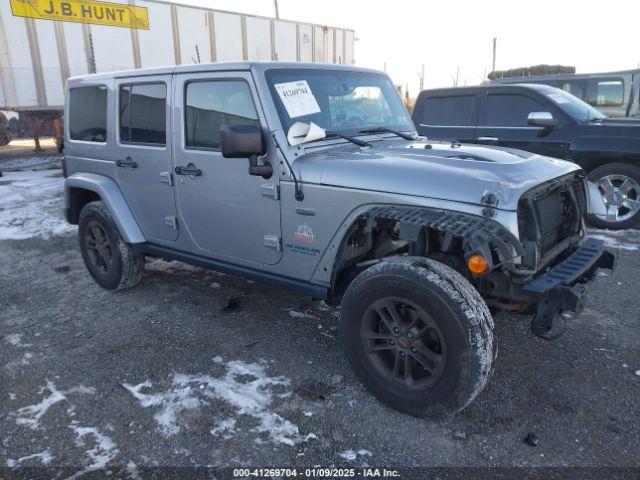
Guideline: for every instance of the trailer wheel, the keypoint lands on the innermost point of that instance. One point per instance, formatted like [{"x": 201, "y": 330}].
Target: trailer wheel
[
  {"x": 619, "y": 184},
  {"x": 418, "y": 335},
  {"x": 112, "y": 263}
]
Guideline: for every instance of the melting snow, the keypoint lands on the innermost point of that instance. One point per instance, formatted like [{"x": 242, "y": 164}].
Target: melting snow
[
  {"x": 622, "y": 239},
  {"x": 15, "y": 339},
  {"x": 103, "y": 451},
  {"x": 638, "y": 373},
  {"x": 31, "y": 414},
  {"x": 31, "y": 205},
  {"x": 225, "y": 428},
  {"x": 44, "y": 458},
  {"x": 245, "y": 386},
  {"x": 352, "y": 454},
  {"x": 296, "y": 314}
]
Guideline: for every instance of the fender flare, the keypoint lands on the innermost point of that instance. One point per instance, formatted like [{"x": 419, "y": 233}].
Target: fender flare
[
  {"x": 108, "y": 191},
  {"x": 479, "y": 234}
]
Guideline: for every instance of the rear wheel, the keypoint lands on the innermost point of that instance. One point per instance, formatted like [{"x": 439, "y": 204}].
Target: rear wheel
[
  {"x": 619, "y": 184},
  {"x": 418, "y": 335},
  {"x": 112, "y": 263}
]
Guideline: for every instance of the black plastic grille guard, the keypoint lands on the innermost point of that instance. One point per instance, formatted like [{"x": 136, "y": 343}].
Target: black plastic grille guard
[{"x": 479, "y": 234}]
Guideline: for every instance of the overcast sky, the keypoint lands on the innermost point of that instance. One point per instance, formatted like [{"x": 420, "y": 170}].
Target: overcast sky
[{"x": 447, "y": 34}]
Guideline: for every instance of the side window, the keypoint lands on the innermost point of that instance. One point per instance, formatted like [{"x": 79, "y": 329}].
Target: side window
[
  {"x": 88, "y": 114},
  {"x": 212, "y": 104},
  {"x": 510, "y": 110},
  {"x": 448, "y": 111},
  {"x": 574, "y": 88},
  {"x": 143, "y": 114},
  {"x": 608, "y": 93}
]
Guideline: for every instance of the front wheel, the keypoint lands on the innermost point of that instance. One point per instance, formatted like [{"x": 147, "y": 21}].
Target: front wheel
[
  {"x": 418, "y": 335},
  {"x": 619, "y": 184}
]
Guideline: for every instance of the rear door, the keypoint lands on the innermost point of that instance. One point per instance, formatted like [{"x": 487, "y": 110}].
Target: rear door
[
  {"x": 503, "y": 121},
  {"x": 143, "y": 157},
  {"x": 442, "y": 116}
]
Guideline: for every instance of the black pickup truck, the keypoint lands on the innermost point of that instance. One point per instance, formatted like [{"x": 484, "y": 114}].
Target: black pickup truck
[{"x": 548, "y": 121}]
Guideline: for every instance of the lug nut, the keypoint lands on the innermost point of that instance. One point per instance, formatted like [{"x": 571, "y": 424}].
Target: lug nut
[
  {"x": 396, "y": 330},
  {"x": 401, "y": 354},
  {"x": 413, "y": 349},
  {"x": 410, "y": 335},
  {"x": 391, "y": 342}
]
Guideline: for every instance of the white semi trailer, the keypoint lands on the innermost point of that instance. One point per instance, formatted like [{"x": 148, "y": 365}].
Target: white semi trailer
[{"x": 43, "y": 42}]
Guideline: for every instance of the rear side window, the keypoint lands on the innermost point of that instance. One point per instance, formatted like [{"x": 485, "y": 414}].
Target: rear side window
[
  {"x": 448, "y": 111},
  {"x": 608, "y": 93},
  {"x": 88, "y": 114},
  {"x": 510, "y": 110},
  {"x": 211, "y": 104},
  {"x": 143, "y": 114}
]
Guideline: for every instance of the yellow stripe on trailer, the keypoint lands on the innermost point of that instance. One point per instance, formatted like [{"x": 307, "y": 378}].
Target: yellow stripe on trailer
[{"x": 83, "y": 11}]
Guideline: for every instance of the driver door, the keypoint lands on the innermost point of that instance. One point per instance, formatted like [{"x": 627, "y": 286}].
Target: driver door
[{"x": 223, "y": 208}]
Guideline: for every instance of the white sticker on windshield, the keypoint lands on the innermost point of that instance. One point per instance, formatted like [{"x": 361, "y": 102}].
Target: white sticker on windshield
[
  {"x": 556, "y": 97},
  {"x": 297, "y": 98}
]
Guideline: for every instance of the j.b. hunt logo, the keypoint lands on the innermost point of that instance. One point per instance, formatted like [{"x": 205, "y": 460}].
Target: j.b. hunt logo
[{"x": 304, "y": 233}]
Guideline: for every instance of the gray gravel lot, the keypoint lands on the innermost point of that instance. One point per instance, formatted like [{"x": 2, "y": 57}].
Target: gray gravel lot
[{"x": 196, "y": 368}]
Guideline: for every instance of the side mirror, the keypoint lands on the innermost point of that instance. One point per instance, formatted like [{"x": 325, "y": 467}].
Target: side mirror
[
  {"x": 245, "y": 141},
  {"x": 542, "y": 119}
]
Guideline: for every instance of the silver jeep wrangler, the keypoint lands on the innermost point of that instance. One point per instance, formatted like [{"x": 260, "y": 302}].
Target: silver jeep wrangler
[{"x": 312, "y": 178}]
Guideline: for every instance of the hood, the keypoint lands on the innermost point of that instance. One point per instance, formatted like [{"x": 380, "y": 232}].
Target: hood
[{"x": 461, "y": 173}]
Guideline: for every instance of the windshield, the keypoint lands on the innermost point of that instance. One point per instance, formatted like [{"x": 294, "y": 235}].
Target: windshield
[
  {"x": 338, "y": 101},
  {"x": 574, "y": 107}
]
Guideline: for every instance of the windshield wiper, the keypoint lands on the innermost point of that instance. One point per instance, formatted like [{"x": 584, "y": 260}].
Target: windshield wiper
[
  {"x": 360, "y": 143},
  {"x": 406, "y": 136}
]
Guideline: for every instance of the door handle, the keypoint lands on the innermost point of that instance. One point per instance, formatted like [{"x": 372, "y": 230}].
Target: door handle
[
  {"x": 126, "y": 163},
  {"x": 190, "y": 170},
  {"x": 488, "y": 139}
]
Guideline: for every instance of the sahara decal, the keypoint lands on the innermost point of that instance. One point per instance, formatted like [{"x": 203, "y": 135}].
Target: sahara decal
[{"x": 304, "y": 233}]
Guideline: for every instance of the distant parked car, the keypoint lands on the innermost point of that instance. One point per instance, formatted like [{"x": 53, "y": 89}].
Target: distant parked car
[
  {"x": 548, "y": 121},
  {"x": 615, "y": 94}
]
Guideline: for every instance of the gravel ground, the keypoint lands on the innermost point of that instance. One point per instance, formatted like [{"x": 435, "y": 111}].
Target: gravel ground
[{"x": 193, "y": 368}]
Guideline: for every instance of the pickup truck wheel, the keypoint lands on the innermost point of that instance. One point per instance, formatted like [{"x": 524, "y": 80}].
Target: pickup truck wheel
[
  {"x": 112, "y": 263},
  {"x": 619, "y": 184},
  {"x": 418, "y": 335}
]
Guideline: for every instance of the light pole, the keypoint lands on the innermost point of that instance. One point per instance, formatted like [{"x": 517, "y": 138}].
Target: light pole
[{"x": 275, "y": 5}]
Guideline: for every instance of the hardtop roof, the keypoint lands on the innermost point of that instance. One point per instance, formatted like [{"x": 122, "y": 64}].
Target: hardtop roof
[{"x": 216, "y": 67}]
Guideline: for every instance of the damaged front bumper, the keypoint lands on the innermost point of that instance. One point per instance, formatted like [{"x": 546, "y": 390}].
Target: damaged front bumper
[{"x": 560, "y": 292}]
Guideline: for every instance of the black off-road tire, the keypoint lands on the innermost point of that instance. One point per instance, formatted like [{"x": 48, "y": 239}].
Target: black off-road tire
[
  {"x": 453, "y": 305},
  {"x": 126, "y": 266},
  {"x": 623, "y": 169}
]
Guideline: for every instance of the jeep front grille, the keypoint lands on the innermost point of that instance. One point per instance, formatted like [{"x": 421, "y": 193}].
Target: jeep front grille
[{"x": 549, "y": 215}]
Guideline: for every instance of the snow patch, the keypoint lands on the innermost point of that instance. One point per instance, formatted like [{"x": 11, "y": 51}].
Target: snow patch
[
  {"x": 217, "y": 359},
  {"x": 103, "y": 451},
  {"x": 628, "y": 240},
  {"x": 31, "y": 205},
  {"x": 15, "y": 339},
  {"x": 296, "y": 314},
  {"x": 245, "y": 386},
  {"x": 45, "y": 458},
  {"x": 31, "y": 414},
  {"x": 638, "y": 373},
  {"x": 352, "y": 454},
  {"x": 225, "y": 428},
  {"x": 132, "y": 470}
]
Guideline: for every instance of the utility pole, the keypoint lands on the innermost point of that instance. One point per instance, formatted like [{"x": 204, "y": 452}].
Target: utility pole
[
  {"x": 275, "y": 5},
  {"x": 421, "y": 75},
  {"x": 495, "y": 41},
  {"x": 385, "y": 67}
]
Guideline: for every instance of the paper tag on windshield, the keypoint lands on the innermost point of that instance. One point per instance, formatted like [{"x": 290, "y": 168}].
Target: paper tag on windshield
[{"x": 297, "y": 98}]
